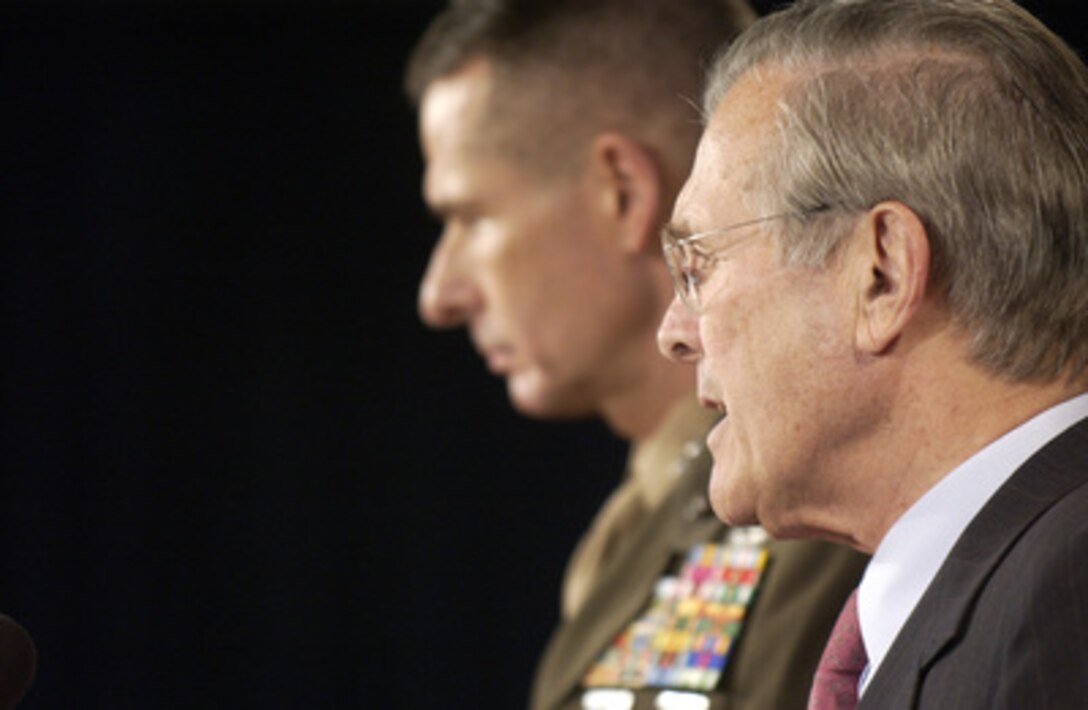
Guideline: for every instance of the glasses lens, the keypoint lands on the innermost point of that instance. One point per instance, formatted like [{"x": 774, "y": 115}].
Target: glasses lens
[
  {"x": 682, "y": 264},
  {"x": 685, "y": 262},
  {"x": 670, "y": 249},
  {"x": 675, "y": 260},
  {"x": 691, "y": 290}
]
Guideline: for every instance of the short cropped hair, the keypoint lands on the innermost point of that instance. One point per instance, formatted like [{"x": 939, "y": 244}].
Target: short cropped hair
[
  {"x": 971, "y": 113},
  {"x": 565, "y": 70}
]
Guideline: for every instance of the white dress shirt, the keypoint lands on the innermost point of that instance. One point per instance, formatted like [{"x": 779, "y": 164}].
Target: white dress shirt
[{"x": 915, "y": 547}]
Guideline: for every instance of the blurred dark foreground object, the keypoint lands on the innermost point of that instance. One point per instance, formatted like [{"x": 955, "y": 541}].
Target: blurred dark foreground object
[{"x": 18, "y": 660}]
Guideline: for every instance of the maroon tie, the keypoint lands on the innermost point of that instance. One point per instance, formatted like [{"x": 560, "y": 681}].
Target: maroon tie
[{"x": 835, "y": 686}]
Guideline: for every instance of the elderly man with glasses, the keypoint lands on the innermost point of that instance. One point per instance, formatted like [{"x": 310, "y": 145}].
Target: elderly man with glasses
[{"x": 881, "y": 267}]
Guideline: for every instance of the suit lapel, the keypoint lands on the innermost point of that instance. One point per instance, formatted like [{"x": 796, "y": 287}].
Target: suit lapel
[
  {"x": 682, "y": 519},
  {"x": 943, "y": 613}
]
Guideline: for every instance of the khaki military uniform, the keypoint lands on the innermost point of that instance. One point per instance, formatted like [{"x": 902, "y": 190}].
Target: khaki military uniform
[{"x": 614, "y": 570}]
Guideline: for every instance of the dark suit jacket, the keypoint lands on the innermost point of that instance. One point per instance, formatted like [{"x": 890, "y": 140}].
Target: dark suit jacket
[
  {"x": 771, "y": 667},
  {"x": 1004, "y": 624}
]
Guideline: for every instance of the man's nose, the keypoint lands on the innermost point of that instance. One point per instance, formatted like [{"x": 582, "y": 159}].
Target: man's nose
[
  {"x": 678, "y": 334},
  {"x": 447, "y": 293}
]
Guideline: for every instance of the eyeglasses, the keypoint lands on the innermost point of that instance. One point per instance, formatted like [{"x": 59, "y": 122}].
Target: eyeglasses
[{"x": 688, "y": 262}]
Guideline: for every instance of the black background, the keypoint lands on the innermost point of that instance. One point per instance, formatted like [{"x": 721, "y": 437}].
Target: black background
[{"x": 237, "y": 471}]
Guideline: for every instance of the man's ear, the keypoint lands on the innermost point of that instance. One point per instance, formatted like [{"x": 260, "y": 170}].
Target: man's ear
[
  {"x": 628, "y": 182},
  {"x": 890, "y": 258}
]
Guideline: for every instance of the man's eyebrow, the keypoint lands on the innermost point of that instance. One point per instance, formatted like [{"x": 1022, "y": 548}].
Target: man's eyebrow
[{"x": 446, "y": 209}]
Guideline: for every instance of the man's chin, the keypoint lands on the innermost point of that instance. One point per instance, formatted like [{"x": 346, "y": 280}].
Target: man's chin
[
  {"x": 733, "y": 515},
  {"x": 731, "y": 502},
  {"x": 532, "y": 398}
]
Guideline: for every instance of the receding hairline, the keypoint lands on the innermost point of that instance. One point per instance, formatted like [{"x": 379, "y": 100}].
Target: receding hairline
[{"x": 798, "y": 70}]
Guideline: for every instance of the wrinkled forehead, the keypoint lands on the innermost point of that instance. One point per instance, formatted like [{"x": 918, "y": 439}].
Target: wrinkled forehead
[{"x": 736, "y": 136}]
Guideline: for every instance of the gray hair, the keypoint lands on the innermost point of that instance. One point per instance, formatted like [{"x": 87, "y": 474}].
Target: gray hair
[{"x": 972, "y": 114}]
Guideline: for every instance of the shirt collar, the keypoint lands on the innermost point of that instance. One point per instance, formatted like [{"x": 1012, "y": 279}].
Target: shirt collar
[{"x": 915, "y": 547}]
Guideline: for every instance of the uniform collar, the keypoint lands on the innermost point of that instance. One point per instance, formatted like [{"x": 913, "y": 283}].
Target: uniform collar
[{"x": 657, "y": 462}]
